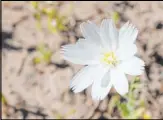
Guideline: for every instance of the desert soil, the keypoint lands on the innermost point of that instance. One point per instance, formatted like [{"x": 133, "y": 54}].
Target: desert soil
[{"x": 42, "y": 91}]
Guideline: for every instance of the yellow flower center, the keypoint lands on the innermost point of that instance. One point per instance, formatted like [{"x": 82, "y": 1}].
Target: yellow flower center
[{"x": 109, "y": 58}]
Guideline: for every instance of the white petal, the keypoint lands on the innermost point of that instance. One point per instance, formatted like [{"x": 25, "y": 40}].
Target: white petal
[
  {"x": 105, "y": 36},
  {"x": 133, "y": 66},
  {"x": 127, "y": 34},
  {"x": 101, "y": 86},
  {"x": 83, "y": 52},
  {"x": 94, "y": 26},
  {"x": 90, "y": 32},
  {"x": 119, "y": 81},
  {"x": 126, "y": 51},
  {"x": 84, "y": 78},
  {"x": 109, "y": 34}
]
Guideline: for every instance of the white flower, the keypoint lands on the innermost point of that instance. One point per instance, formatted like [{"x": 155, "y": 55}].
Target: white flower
[{"x": 108, "y": 53}]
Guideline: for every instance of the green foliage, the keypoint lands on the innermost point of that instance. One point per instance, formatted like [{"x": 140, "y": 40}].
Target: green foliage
[
  {"x": 45, "y": 54},
  {"x": 55, "y": 23},
  {"x": 3, "y": 99},
  {"x": 34, "y": 4},
  {"x": 131, "y": 108},
  {"x": 116, "y": 17},
  {"x": 38, "y": 18}
]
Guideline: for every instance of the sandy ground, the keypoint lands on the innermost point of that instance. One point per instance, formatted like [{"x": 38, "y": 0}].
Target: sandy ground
[{"x": 42, "y": 91}]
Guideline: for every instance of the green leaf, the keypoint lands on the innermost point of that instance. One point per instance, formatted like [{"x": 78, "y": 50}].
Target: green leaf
[
  {"x": 124, "y": 109},
  {"x": 47, "y": 56},
  {"x": 138, "y": 112},
  {"x": 45, "y": 52},
  {"x": 51, "y": 27},
  {"x": 34, "y": 4},
  {"x": 134, "y": 84},
  {"x": 116, "y": 17},
  {"x": 60, "y": 23},
  {"x": 37, "y": 60},
  {"x": 142, "y": 103},
  {"x": 137, "y": 78},
  {"x": 4, "y": 101},
  {"x": 52, "y": 13},
  {"x": 40, "y": 48},
  {"x": 37, "y": 16}
]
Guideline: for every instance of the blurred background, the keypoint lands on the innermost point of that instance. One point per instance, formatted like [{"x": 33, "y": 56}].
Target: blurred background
[{"x": 35, "y": 78}]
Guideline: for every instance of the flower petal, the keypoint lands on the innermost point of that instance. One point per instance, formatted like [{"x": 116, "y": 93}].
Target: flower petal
[
  {"x": 127, "y": 34},
  {"x": 109, "y": 34},
  {"x": 94, "y": 26},
  {"x": 133, "y": 66},
  {"x": 126, "y": 51},
  {"x": 101, "y": 86},
  {"x": 90, "y": 32},
  {"x": 119, "y": 81},
  {"x": 83, "y": 52},
  {"x": 84, "y": 78}
]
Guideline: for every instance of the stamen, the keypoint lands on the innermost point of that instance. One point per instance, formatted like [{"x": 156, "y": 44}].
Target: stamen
[{"x": 109, "y": 58}]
